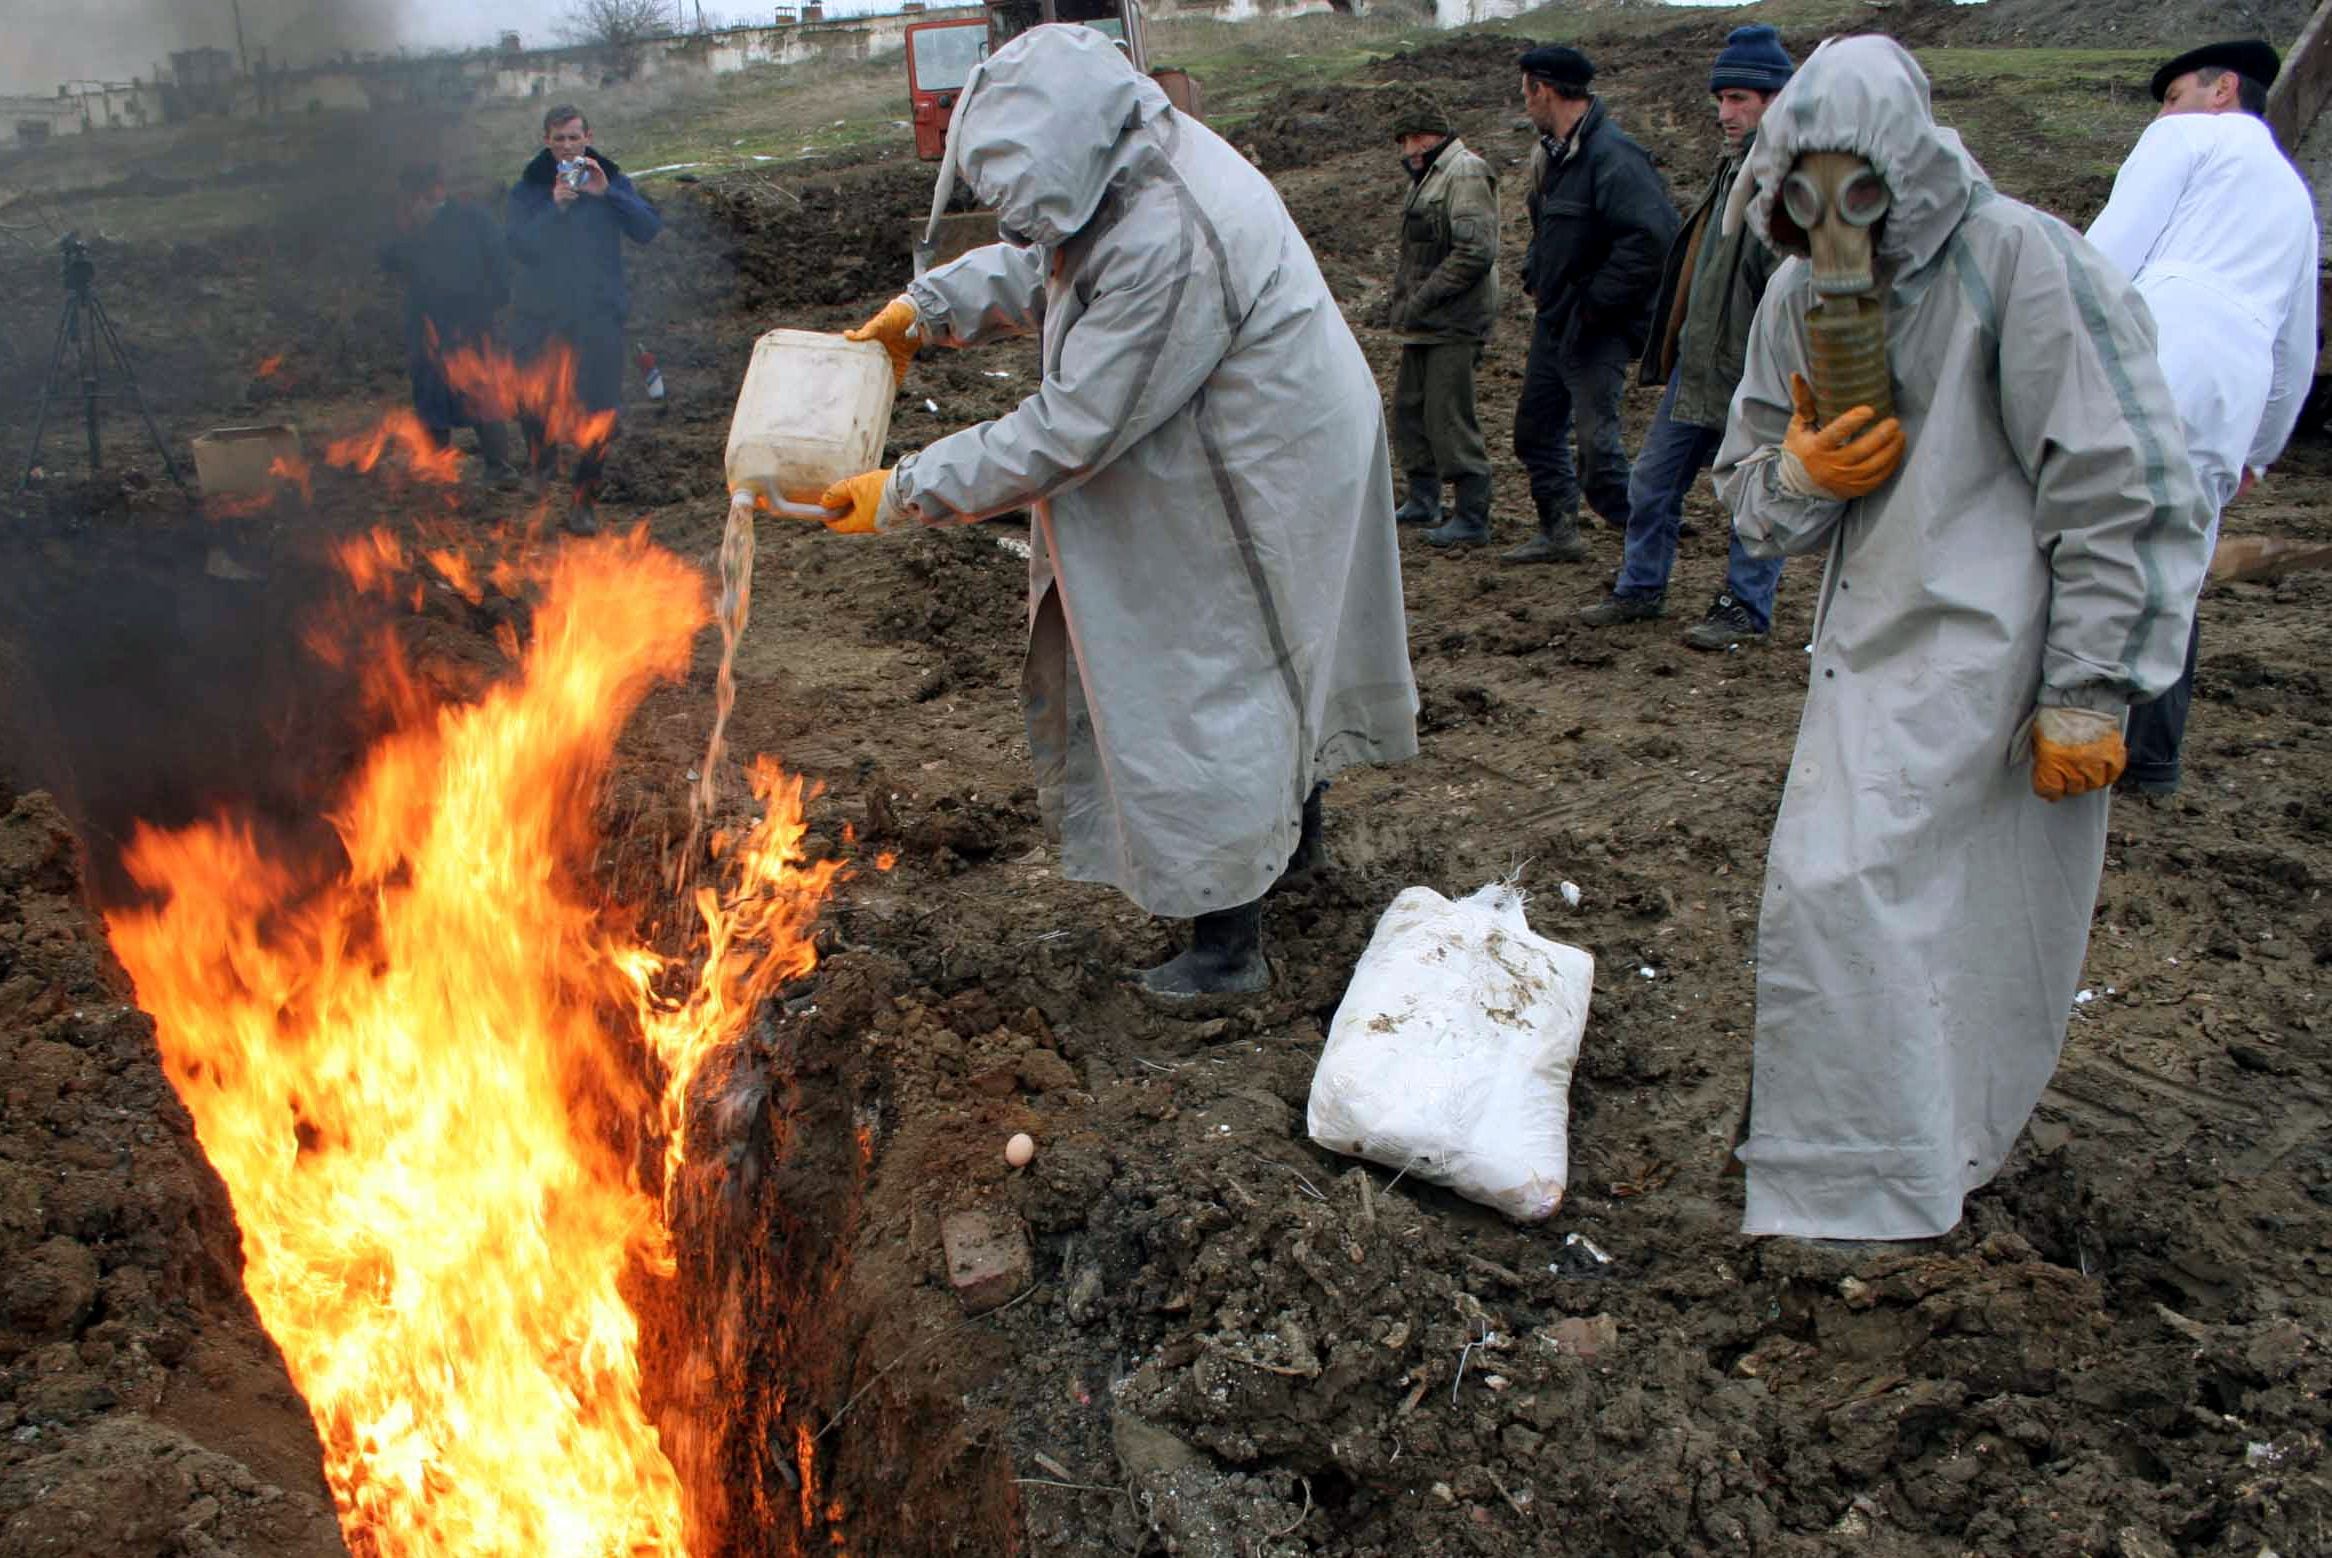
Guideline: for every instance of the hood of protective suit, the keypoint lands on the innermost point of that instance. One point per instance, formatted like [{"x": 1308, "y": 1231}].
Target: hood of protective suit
[
  {"x": 1040, "y": 126},
  {"x": 1868, "y": 96}
]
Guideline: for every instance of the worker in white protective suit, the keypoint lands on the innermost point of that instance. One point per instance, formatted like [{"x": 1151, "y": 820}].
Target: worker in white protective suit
[
  {"x": 1215, "y": 620},
  {"x": 1990, "y": 461},
  {"x": 2216, "y": 230}
]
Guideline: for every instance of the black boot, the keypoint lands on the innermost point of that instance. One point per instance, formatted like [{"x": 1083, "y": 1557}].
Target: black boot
[
  {"x": 1225, "y": 961},
  {"x": 1469, "y": 520},
  {"x": 494, "y": 452},
  {"x": 1303, "y": 867},
  {"x": 1558, "y": 541},
  {"x": 583, "y": 512},
  {"x": 1423, "y": 506}
]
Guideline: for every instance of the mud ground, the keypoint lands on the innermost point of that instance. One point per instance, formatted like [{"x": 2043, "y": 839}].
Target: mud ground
[{"x": 1233, "y": 1342}]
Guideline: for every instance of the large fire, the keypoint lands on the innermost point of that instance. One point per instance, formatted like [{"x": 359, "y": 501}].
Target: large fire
[{"x": 422, "y": 1078}]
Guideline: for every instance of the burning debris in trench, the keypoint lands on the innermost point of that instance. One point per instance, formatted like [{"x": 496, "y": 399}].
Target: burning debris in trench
[{"x": 449, "y": 1104}]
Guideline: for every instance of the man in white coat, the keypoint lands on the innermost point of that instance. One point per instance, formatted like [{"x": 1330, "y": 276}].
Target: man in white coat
[
  {"x": 2011, "y": 557},
  {"x": 1216, "y": 622},
  {"x": 2217, "y": 232}
]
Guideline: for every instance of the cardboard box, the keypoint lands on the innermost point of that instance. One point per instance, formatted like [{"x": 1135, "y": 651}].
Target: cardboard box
[{"x": 236, "y": 462}]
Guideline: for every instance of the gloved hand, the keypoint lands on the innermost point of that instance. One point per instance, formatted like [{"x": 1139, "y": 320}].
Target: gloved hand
[
  {"x": 1848, "y": 459},
  {"x": 898, "y": 329},
  {"x": 859, "y": 505},
  {"x": 2075, "y": 751}
]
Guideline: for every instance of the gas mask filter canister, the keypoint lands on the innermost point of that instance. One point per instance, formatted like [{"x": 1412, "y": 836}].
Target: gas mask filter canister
[{"x": 1837, "y": 200}]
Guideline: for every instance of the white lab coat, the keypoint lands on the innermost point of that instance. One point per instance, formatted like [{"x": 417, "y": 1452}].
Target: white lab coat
[{"x": 2217, "y": 232}]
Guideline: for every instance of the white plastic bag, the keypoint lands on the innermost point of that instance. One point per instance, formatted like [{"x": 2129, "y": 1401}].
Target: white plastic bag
[{"x": 1451, "y": 1055}]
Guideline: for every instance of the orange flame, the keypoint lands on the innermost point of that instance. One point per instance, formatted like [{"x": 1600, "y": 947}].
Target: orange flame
[
  {"x": 410, "y": 1079},
  {"x": 269, "y": 367},
  {"x": 542, "y": 390},
  {"x": 291, "y": 468},
  {"x": 400, "y": 429}
]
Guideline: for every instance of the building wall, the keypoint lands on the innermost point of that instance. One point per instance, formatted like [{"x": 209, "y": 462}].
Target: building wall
[{"x": 554, "y": 73}]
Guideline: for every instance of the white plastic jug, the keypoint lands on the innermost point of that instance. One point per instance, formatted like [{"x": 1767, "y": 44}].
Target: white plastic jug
[{"x": 813, "y": 410}]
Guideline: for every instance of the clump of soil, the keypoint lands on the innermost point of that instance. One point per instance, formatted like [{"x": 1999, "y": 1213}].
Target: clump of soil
[{"x": 142, "y": 1409}]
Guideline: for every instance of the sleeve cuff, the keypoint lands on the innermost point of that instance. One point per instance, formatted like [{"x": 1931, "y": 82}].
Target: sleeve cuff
[{"x": 2099, "y": 697}]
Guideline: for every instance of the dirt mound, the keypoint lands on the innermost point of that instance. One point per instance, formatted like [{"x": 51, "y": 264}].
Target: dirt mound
[
  {"x": 143, "y": 1409},
  {"x": 2170, "y": 25},
  {"x": 828, "y": 240}
]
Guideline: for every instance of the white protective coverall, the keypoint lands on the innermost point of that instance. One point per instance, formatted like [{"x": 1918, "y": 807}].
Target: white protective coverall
[
  {"x": 2217, "y": 232},
  {"x": 1215, "y": 588},
  {"x": 1925, "y": 914}
]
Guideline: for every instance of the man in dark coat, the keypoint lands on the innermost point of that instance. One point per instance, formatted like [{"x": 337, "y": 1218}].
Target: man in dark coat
[
  {"x": 1445, "y": 298},
  {"x": 1700, "y": 338},
  {"x": 569, "y": 215},
  {"x": 456, "y": 271},
  {"x": 1601, "y": 222}
]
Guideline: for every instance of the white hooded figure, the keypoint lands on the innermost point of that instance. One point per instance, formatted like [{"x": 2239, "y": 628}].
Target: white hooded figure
[
  {"x": 1215, "y": 613},
  {"x": 1999, "y": 589}
]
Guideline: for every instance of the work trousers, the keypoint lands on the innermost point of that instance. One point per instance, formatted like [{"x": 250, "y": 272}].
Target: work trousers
[
  {"x": 1673, "y": 456},
  {"x": 2157, "y": 730},
  {"x": 1565, "y": 384},
  {"x": 1436, "y": 431}
]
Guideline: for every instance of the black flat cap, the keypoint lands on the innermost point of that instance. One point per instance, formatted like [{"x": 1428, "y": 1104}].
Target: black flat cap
[
  {"x": 2245, "y": 57},
  {"x": 1564, "y": 67}
]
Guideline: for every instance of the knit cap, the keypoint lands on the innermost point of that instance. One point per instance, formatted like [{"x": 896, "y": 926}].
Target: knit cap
[{"x": 1753, "y": 58}]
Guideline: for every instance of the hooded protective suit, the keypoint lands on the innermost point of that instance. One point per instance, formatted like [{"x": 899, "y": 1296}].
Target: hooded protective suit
[
  {"x": 1925, "y": 913},
  {"x": 1215, "y": 589}
]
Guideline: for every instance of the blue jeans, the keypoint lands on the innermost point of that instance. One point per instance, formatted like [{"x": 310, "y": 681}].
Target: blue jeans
[{"x": 1672, "y": 458}]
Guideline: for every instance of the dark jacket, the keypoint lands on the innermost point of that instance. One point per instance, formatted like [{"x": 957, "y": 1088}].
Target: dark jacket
[
  {"x": 1445, "y": 285},
  {"x": 570, "y": 263},
  {"x": 1600, "y": 223},
  {"x": 1702, "y": 335},
  {"x": 456, "y": 273}
]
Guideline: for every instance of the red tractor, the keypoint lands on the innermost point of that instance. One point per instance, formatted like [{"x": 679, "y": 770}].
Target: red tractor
[{"x": 940, "y": 55}]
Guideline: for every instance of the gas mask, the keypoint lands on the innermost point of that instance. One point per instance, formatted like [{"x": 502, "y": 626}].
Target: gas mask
[{"x": 1836, "y": 200}]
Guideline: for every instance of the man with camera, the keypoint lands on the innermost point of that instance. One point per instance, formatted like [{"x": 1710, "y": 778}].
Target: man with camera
[{"x": 569, "y": 214}]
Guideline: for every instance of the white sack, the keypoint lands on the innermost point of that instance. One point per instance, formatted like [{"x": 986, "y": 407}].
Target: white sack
[{"x": 1451, "y": 1055}]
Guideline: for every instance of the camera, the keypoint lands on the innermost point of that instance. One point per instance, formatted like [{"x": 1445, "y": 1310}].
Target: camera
[
  {"x": 575, "y": 174},
  {"x": 73, "y": 257}
]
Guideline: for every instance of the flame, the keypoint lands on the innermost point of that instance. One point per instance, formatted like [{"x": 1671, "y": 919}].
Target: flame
[
  {"x": 541, "y": 390},
  {"x": 498, "y": 388},
  {"x": 417, "y": 1075},
  {"x": 269, "y": 367},
  {"x": 291, "y": 468}
]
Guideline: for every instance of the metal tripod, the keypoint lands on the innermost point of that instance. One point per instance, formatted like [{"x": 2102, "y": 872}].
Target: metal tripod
[{"x": 86, "y": 328}]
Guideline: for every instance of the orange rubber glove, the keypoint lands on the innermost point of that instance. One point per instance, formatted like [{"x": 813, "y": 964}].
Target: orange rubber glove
[
  {"x": 1848, "y": 459},
  {"x": 2075, "y": 751},
  {"x": 898, "y": 329},
  {"x": 855, "y": 505}
]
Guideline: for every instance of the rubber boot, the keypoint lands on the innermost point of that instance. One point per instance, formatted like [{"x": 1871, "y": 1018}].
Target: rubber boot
[
  {"x": 494, "y": 451},
  {"x": 1303, "y": 867},
  {"x": 1469, "y": 519},
  {"x": 1558, "y": 541},
  {"x": 1423, "y": 506},
  {"x": 1224, "y": 962},
  {"x": 583, "y": 512}
]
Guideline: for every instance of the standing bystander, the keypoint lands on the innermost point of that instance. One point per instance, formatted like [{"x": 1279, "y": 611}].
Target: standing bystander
[
  {"x": 569, "y": 214},
  {"x": 1601, "y": 220},
  {"x": 1445, "y": 298},
  {"x": 2216, "y": 231},
  {"x": 1708, "y": 299},
  {"x": 456, "y": 272}
]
